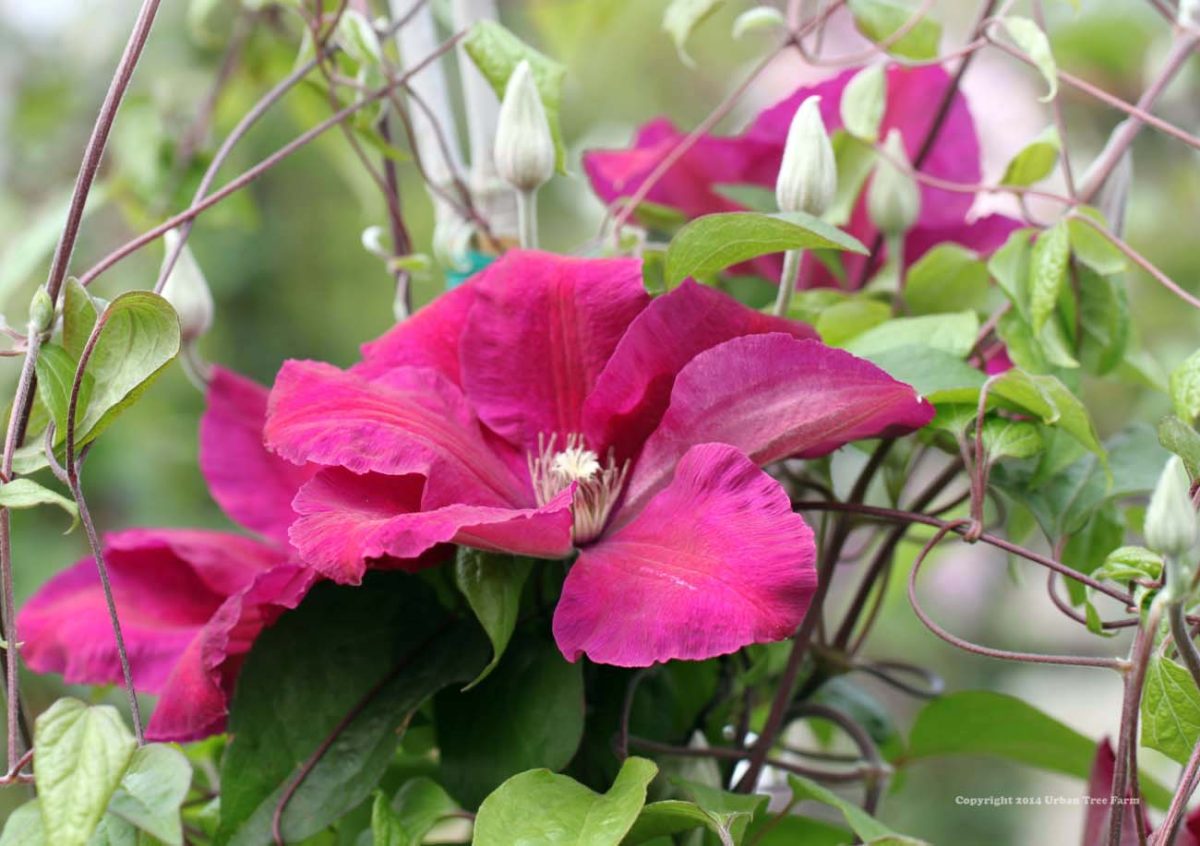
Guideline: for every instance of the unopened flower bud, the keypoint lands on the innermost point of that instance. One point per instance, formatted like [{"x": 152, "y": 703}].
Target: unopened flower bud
[
  {"x": 1171, "y": 523},
  {"x": 524, "y": 150},
  {"x": 1189, "y": 13},
  {"x": 41, "y": 311},
  {"x": 808, "y": 174},
  {"x": 893, "y": 201},
  {"x": 187, "y": 291}
]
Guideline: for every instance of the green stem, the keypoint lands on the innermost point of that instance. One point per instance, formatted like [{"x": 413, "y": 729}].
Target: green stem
[
  {"x": 527, "y": 218},
  {"x": 787, "y": 281}
]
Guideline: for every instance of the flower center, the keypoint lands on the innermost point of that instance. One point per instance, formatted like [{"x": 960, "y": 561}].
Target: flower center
[{"x": 598, "y": 485}]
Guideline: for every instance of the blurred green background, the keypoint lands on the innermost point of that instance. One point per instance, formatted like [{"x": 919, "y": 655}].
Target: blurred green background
[{"x": 291, "y": 278}]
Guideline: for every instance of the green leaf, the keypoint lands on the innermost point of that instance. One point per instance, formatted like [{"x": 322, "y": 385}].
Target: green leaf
[
  {"x": 1181, "y": 439},
  {"x": 845, "y": 320},
  {"x": 1028, "y": 36},
  {"x": 1048, "y": 398},
  {"x": 417, "y": 807},
  {"x": 1005, "y": 438},
  {"x": 1185, "y": 388},
  {"x": 855, "y": 161},
  {"x": 55, "y": 369},
  {"x": 758, "y": 18},
  {"x": 863, "y": 103},
  {"x": 82, "y": 753},
  {"x": 139, "y": 337},
  {"x": 79, "y": 316},
  {"x": 878, "y": 19},
  {"x": 681, "y": 17},
  {"x": 1170, "y": 709},
  {"x": 714, "y": 242},
  {"x": 541, "y": 807},
  {"x": 790, "y": 830},
  {"x": 1091, "y": 247},
  {"x": 497, "y": 52},
  {"x": 1105, "y": 321},
  {"x": 1130, "y": 562},
  {"x": 26, "y": 493},
  {"x": 1035, "y": 162},
  {"x": 492, "y": 585},
  {"x": 1090, "y": 545},
  {"x": 24, "y": 826},
  {"x": 727, "y": 815},
  {"x": 937, "y": 375},
  {"x": 1047, "y": 273},
  {"x": 947, "y": 278},
  {"x": 374, "y": 653},
  {"x": 152, "y": 790},
  {"x": 951, "y": 333},
  {"x": 478, "y": 751},
  {"x": 980, "y": 722},
  {"x": 1009, "y": 266},
  {"x": 863, "y": 824}
]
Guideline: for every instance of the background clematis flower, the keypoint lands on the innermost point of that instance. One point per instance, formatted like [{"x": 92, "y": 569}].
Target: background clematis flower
[
  {"x": 191, "y": 602},
  {"x": 693, "y": 184},
  {"x": 1098, "y": 816},
  {"x": 549, "y": 406}
]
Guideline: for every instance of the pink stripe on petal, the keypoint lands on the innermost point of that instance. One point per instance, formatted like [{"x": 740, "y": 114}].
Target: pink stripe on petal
[
  {"x": 635, "y": 386},
  {"x": 349, "y": 521},
  {"x": 773, "y": 396},
  {"x": 715, "y": 561},
  {"x": 541, "y": 330},
  {"x": 427, "y": 339},
  {"x": 408, "y": 421},
  {"x": 252, "y": 486}
]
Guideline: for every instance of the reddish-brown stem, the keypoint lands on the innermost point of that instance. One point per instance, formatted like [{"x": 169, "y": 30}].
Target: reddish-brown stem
[
  {"x": 725, "y": 754},
  {"x": 987, "y": 651},
  {"x": 1126, "y": 762},
  {"x": 89, "y": 527},
  {"x": 248, "y": 176},
  {"x": 23, "y": 399},
  {"x": 803, "y": 638},
  {"x": 1178, "y": 807}
]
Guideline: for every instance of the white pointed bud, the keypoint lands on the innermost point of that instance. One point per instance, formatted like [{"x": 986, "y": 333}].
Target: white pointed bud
[
  {"x": 187, "y": 291},
  {"x": 808, "y": 173},
  {"x": 41, "y": 311},
  {"x": 524, "y": 150},
  {"x": 893, "y": 200},
  {"x": 1171, "y": 523}
]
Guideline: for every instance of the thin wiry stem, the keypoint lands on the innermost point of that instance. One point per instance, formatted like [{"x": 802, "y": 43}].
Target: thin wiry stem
[{"x": 23, "y": 399}]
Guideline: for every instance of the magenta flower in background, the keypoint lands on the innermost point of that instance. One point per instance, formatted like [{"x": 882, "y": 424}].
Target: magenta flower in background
[
  {"x": 1098, "y": 817},
  {"x": 191, "y": 602},
  {"x": 693, "y": 184},
  {"x": 549, "y": 406}
]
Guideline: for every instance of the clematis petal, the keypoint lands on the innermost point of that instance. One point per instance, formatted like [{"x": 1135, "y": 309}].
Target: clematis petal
[
  {"x": 689, "y": 185},
  {"x": 715, "y": 561},
  {"x": 773, "y": 396},
  {"x": 408, "y": 421},
  {"x": 1100, "y": 786},
  {"x": 984, "y": 236},
  {"x": 347, "y": 520},
  {"x": 427, "y": 339},
  {"x": 252, "y": 486},
  {"x": 541, "y": 330},
  {"x": 635, "y": 386},
  {"x": 194, "y": 701},
  {"x": 175, "y": 592}
]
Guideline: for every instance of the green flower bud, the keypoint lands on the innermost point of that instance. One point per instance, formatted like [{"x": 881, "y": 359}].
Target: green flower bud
[
  {"x": 808, "y": 174},
  {"x": 41, "y": 311},
  {"x": 524, "y": 150},
  {"x": 187, "y": 291},
  {"x": 1171, "y": 523},
  {"x": 893, "y": 200}
]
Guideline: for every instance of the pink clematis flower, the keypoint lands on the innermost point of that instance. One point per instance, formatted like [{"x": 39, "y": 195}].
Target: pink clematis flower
[
  {"x": 549, "y": 407},
  {"x": 1098, "y": 816},
  {"x": 191, "y": 602},
  {"x": 693, "y": 184}
]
